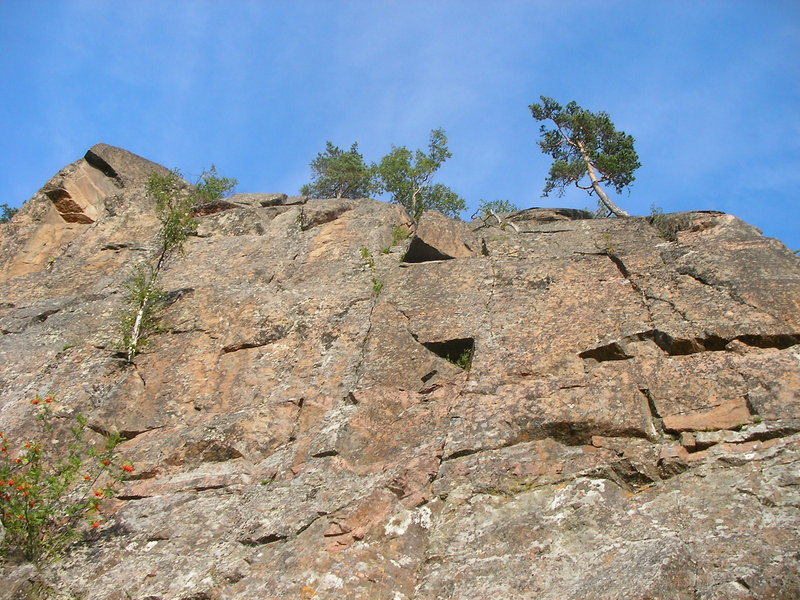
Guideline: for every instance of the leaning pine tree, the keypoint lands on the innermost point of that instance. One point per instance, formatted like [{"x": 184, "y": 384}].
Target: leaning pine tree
[{"x": 585, "y": 145}]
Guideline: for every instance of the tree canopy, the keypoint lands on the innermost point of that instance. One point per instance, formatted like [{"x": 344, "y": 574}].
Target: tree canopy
[
  {"x": 407, "y": 175},
  {"x": 340, "y": 174},
  {"x": 6, "y": 212},
  {"x": 489, "y": 207},
  {"x": 176, "y": 202},
  {"x": 585, "y": 145}
]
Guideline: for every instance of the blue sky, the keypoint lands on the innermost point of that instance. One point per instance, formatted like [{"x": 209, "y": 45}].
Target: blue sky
[{"x": 710, "y": 90}]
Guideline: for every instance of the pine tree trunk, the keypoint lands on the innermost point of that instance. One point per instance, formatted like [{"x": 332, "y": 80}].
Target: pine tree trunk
[
  {"x": 601, "y": 193},
  {"x": 610, "y": 204}
]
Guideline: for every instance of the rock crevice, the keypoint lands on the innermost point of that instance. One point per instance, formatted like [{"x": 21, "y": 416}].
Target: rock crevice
[{"x": 487, "y": 410}]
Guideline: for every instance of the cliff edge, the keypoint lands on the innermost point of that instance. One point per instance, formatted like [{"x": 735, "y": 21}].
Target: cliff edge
[{"x": 548, "y": 407}]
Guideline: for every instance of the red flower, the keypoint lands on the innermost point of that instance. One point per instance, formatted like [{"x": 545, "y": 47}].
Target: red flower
[
  {"x": 87, "y": 477},
  {"x": 48, "y": 400},
  {"x": 128, "y": 468},
  {"x": 35, "y": 401},
  {"x": 99, "y": 493},
  {"x": 106, "y": 462},
  {"x": 18, "y": 461},
  {"x": 96, "y": 524}
]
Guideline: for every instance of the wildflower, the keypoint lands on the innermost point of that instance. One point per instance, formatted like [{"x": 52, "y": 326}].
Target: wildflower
[
  {"x": 99, "y": 493},
  {"x": 29, "y": 445},
  {"x": 48, "y": 400},
  {"x": 106, "y": 462},
  {"x": 21, "y": 517},
  {"x": 128, "y": 468},
  {"x": 18, "y": 461},
  {"x": 87, "y": 477},
  {"x": 35, "y": 401},
  {"x": 96, "y": 524}
]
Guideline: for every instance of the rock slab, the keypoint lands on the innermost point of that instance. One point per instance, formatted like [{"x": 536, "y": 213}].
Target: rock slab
[{"x": 552, "y": 407}]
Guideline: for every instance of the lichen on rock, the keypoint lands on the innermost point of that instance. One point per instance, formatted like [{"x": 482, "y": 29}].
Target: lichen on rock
[{"x": 627, "y": 425}]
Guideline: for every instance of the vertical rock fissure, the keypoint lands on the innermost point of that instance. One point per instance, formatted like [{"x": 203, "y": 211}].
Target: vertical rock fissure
[
  {"x": 649, "y": 409},
  {"x": 490, "y": 302},
  {"x": 362, "y": 353},
  {"x": 623, "y": 269}
]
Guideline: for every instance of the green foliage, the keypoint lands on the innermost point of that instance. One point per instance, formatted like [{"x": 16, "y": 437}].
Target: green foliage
[
  {"x": 584, "y": 144},
  {"x": 139, "y": 321},
  {"x": 406, "y": 175},
  {"x": 400, "y": 234},
  {"x": 608, "y": 244},
  {"x": 176, "y": 203},
  {"x": 668, "y": 225},
  {"x": 210, "y": 187},
  {"x": 377, "y": 285},
  {"x": 51, "y": 494},
  {"x": 369, "y": 261},
  {"x": 367, "y": 256},
  {"x": 6, "y": 212},
  {"x": 486, "y": 207},
  {"x": 464, "y": 361},
  {"x": 340, "y": 174}
]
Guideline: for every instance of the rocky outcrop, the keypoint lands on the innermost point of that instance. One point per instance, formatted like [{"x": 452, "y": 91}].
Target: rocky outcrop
[{"x": 550, "y": 407}]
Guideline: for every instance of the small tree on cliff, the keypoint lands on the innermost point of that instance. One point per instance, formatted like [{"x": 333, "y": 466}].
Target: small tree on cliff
[
  {"x": 340, "y": 174},
  {"x": 176, "y": 203},
  {"x": 406, "y": 176},
  {"x": 6, "y": 212},
  {"x": 585, "y": 144}
]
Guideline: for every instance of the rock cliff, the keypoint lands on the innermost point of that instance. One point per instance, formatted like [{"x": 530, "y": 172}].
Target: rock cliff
[{"x": 550, "y": 407}]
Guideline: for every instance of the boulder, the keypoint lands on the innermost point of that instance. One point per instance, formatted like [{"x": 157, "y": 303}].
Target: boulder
[{"x": 439, "y": 238}]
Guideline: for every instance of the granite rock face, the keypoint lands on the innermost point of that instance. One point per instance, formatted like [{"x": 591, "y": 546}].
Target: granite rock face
[{"x": 551, "y": 407}]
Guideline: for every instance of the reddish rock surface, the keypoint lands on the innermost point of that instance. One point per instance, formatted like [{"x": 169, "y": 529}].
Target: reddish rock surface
[{"x": 552, "y": 407}]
